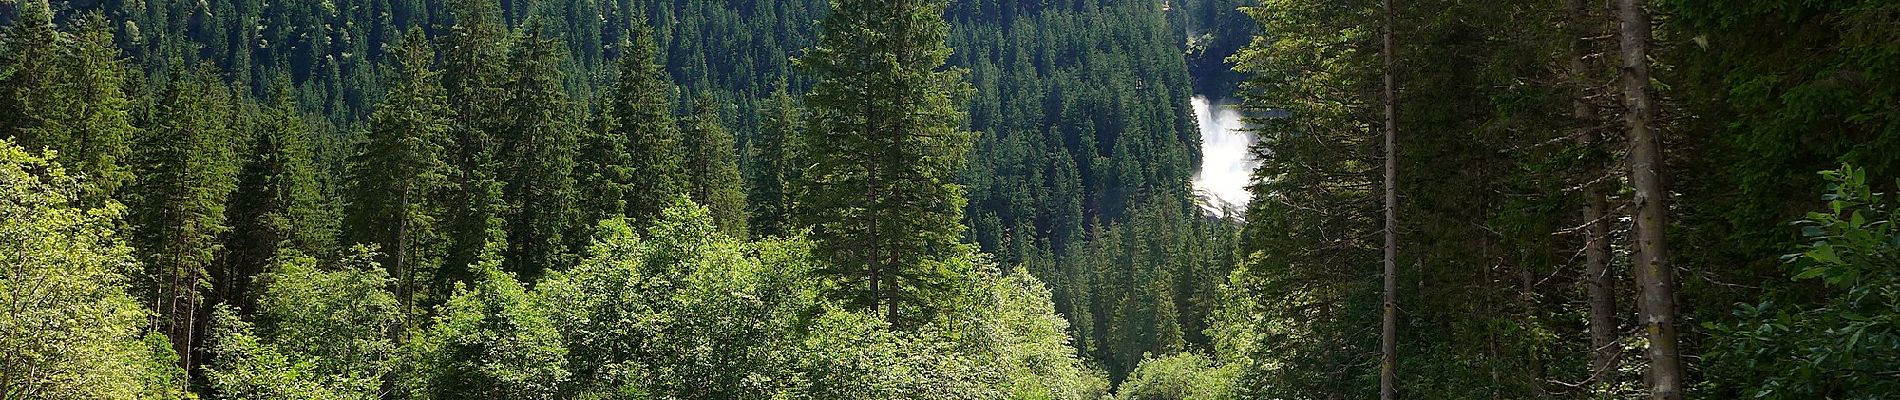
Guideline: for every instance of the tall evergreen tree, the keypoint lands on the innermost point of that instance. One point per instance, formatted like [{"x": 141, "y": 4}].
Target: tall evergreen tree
[
  {"x": 713, "y": 170},
  {"x": 768, "y": 167},
  {"x": 642, "y": 107},
  {"x": 1655, "y": 277},
  {"x": 187, "y": 169},
  {"x": 278, "y": 206},
  {"x": 474, "y": 75},
  {"x": 30, "y": 78},
  {"x": 884, "y": 144},
  {"x": 537, "y": 159},
  {"x": 97, "y": 122},
  {"x": 399, "y": 180}
]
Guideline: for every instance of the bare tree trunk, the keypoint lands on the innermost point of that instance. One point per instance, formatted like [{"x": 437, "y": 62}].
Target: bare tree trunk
[
  {"x": 1389, "y": 347},
  {"x": 1654, "y": 275},
  {"x": 1601, "y": 285}
]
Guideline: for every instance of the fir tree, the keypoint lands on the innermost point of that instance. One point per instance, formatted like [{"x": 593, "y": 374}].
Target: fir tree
[
  {"x": 399, "y": 181},
  {"x": 642, "y": 106},
  {"x": 278, "y": 206},
  {"x": 474, "y": 75},
  {"x": 884, "y": 145},
  {"x": 537, "y": 159},
  {"x": 768, "y": 203},
  {"x": 187, "y": 169},
  {"x": 98, "y": 121},
  {"x": 712, "y": 169},
  {"x": 30, "y": 75}
]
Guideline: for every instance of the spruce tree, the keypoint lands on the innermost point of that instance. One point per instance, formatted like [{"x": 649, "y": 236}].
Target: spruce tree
[
  {"x": 98, "y": 121},
  {"x": 399, "y": 180},
  {"x": 712, "y": 168},
  {"x": 187, "y": 169},
  {"x": 642, "y": 106},
  {"x": 884, "y": 146},
  {"x": 279, "y": 205},
  {"x": 474, "y": 75},
  {"x": 768, "y": 167},
  {"x": 31, "y": 79},
  {"x": 537, "y": 159}
]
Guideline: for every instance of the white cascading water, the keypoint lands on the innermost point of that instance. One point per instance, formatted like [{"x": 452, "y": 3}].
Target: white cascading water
[{"x": 1226, "y": 164}]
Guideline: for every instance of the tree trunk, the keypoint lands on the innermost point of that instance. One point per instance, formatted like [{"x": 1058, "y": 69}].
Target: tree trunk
[
  {"x": 1653, "y": 272},
  {"x": 1388, "y": 348},
  {"x": 1601, "y": 285}
]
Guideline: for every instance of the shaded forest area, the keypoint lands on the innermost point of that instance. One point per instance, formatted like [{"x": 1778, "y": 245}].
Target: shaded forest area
[{"x": 606, "y": 199}]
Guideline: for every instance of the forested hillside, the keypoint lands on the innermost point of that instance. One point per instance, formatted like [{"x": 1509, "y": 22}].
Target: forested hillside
[
  {"x": 955, "y": 199},
  {"x": 435, "y": 199}
]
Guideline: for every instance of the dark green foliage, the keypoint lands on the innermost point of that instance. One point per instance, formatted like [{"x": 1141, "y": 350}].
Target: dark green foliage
[
  {"x": 398, "y": 183},
  {"x": 642, "y": 111},
  {"x": 1841, "y": 347},
  {"x": 188, "y": 166},
  {"x": 66, "y": 92},
  {"x": 474, "y": 59},
  {"x": 536, "y": 159},
  {"x": 770, "y": 167},
  {"x": 279, "y": 205},
  {"x": 713, "y": 173},
  {"x": 884, "y": 140}
]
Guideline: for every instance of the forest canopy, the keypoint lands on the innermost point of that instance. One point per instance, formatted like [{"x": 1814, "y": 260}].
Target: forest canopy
[{"x": 948, "y": 199}]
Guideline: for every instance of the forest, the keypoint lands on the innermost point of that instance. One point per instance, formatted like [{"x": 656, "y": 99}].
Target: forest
[{"x": 949, "y": 199}]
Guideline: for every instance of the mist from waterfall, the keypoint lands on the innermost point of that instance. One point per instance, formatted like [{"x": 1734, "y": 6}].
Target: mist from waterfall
[{"x": 1226, "y": 164}]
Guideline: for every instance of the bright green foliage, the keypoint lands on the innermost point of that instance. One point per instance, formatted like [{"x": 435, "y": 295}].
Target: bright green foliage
[
  {"x": 279, "y": 204},
  {"x": 398, "y": 188},
  {"x": 537, "y": 154},
  {"x": 68, "y": 328},
  {"x": 712, "y": 170},
  {"x": 319, "y": 334},
  {"x": 769, "y": 167},
  {"x": 1185, "y": 376},
  {"x": 642, "y": 108},
  {"x": 689, "y": 313},
  {"x": 884, "y": 142},
  {"x": 1020, "y": 340},
  {"x": 492, "y": 341},
  {"x": 187, "y": 170},
  {"x": 1841, "y": 348}
]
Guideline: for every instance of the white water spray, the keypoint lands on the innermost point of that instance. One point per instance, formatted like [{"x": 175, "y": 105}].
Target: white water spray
[{"x": 1226, "y": 165}]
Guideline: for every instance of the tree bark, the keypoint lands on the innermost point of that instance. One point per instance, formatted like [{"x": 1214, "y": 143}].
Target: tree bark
[
  {"x": 1653, "y": 273},
  {"x": 1600, "y": 283},
  {"x": 1388, "y": 347}
]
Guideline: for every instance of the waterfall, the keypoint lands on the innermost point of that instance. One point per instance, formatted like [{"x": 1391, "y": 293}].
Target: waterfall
[{"x": 1226, "y": 164}]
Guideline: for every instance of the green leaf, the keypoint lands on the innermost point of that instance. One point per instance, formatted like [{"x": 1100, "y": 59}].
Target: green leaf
[
  {"x": 1824, "y": 253},
  {"x": 1810, "y": 273}
]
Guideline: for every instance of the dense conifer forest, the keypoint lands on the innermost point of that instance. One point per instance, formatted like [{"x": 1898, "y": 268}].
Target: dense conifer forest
[{"x": 948, "y": 199}]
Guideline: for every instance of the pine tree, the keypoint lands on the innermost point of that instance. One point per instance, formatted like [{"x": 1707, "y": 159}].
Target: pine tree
[
  {"x": 187, "y": 169},
  {"x": 712, "y": 169},
  {"x": 399, "y": 179},
  {"x": 537, "y": 159},
  {"x": 98, "y": 123},
  {"x": 30, "y": 78},
  {"x": 278, "y": 206},
  {"x": 884, "y": 145},
  {"x": 474, "y": 75},
  {"x": 769, "y": 166},
  {"x": 643, "y": 108}
]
